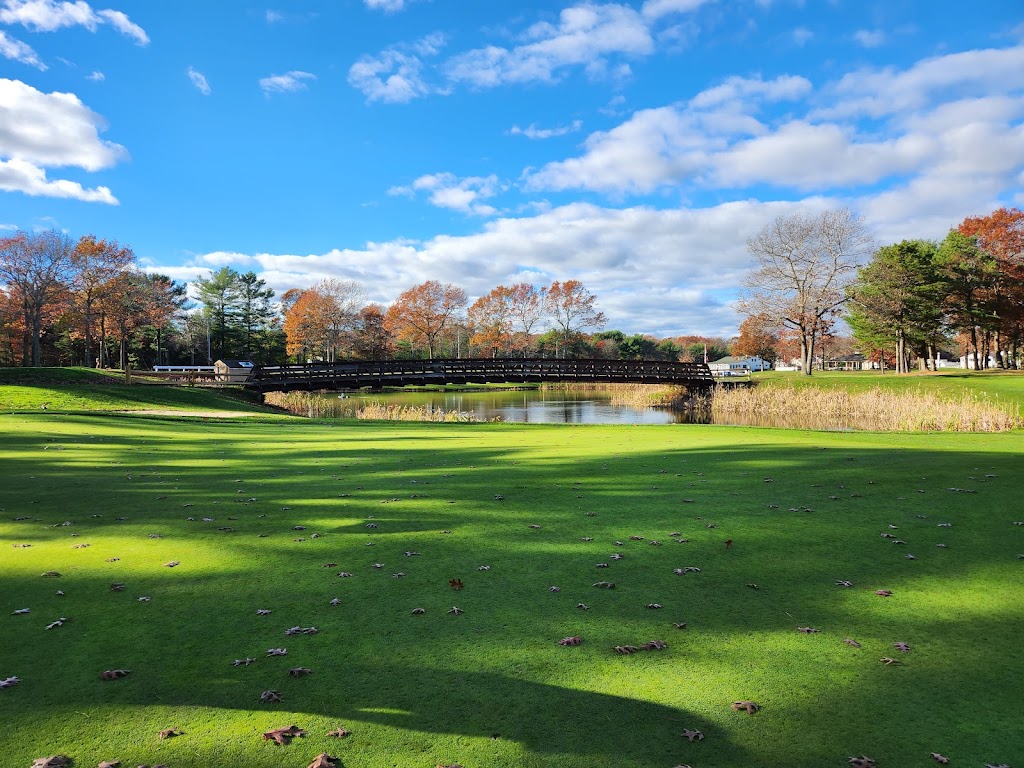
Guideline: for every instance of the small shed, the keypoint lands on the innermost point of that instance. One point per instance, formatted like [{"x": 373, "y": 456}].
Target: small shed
[{"x": 233, "y": 371}]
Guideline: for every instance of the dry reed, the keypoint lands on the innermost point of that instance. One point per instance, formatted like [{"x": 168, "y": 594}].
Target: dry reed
[
  {"x": 316, "y": 405},
  {"x": 874, "y": 409}
]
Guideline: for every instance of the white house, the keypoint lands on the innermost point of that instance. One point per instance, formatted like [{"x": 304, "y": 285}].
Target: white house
[{"x": 736, "y": 366}]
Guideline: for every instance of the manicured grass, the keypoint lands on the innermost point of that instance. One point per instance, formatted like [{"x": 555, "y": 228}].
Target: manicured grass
[
  {"x": 1000, "y": 386},
  {"x": 83, "y": 389},
  {"x": 492, "y": 687}
]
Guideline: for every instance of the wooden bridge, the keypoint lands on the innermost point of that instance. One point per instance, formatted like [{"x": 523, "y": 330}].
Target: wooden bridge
[{"x": 376, "y": 374}]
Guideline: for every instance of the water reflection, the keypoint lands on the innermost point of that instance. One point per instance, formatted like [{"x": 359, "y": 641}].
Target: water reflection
[{"x": 540, "y": 407}]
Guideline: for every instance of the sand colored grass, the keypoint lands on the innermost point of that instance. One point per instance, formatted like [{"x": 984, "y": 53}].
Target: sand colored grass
[{"x": 492, "y": 687}]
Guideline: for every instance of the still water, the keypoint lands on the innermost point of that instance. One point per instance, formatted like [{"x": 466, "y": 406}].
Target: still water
[{"x": 539, "y": 407}]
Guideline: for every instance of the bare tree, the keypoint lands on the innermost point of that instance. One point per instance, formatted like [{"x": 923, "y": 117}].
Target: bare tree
[
  {"x": 571, "y": 307},
  {"x": 804, "y": 264},
  {"x": 39, "y": 266}
]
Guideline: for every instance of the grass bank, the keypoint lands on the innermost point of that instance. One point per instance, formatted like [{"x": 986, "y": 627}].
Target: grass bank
[
  {"x": 83, "y": 389},
  {"x": 539, "y": 506}
]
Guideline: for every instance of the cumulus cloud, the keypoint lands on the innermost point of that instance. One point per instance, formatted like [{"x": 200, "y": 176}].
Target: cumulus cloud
[
  {"x": 802, "y": 35},
  {"x": 655, "y": 9},
  {"x": 533, "y": 132},
  {"x": 446, "y": 190},
  {"x": 955, "y": 120},
  {"x": 50, "y": 130},
  {"x": 289, "y": 82},
  {"x": 666, "y": 272},
  {"x": 198, "y": 79},
  {"x": 395, "y": 75},
  {"x": 96, "y": 77},
  {"x": 22, "y": 176},
  {"x": 51, "y": 15},
  {"x": 585, "y": 35},
  {"x": 19, "y": 51}
]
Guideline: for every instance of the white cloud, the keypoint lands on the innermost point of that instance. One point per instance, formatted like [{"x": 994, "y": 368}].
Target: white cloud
[
  {"x": 446, "y": 190},
  {"x": 585, "y": 36},
  {"x": 52, "y": 129},
  {"x": 869, "y": 38},
  {"x": 533, "y": 132},
  {"x": 666, "y": 272},
  {"x": 19, "y": 51},
  {"x": 51, "y": 15},
  {"x": 395, "y": 75},
  {"x": 289, "y": 82},
  {"x": 721, "y": 139},
  {"x": 96, "y": 77},
  {"x": 9, "y": 227},
  {"x": 655, "y": 9},
  {"x": 388, "y": 6},
  {"x": 802, "y": 35},
  {"x": 22, "y": 176},
  {"x": 199, "y": 81}
]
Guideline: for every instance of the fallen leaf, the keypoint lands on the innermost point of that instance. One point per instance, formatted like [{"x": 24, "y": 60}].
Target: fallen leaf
[
  {"x": 277, "y": 651},
  {"x": 9, "y": 682},
  {"x": 282, "y": 735},
  {"x": 455, "y": 610},
  {"x": 808, "y": 630},
  {"x": 323, "y": 760},
  {"x": 300, "y": 671},
  {"x": 113, "y": 674},
  {"x": 110, "y": 764},
  {"x": 242, "y": 662},
  {"x": 340, "y": 733},
  {"x": 862, "y": 762},
  {"x": 269, "y": 697},
  {"x": 883, "y": 592},
  {"x": 940, "y": 759},
  {"x": 575, "y": 640},
  {"x": 902, "y": 647},
  {"x": 117, "y": 586},
  {"x": 749, "y": 706},
  {"x": 888, "y": 660},
  {"x": 455, "y": 583},
  {"x": 626, "y": 650},
  {"x": 692, "y": 736},
  {"x": 169, "y": 733},
  {"x": 54, "y": 761},
  {"x": 851, "y": 642}
]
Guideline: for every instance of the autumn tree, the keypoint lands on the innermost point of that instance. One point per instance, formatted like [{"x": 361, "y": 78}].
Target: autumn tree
[
  {"x": 1001, "y": 235},
  {"x": 970, "y": 274},
  {"x": 490, "y": 320},
  {"x": 571, "y": 308},
  {"x": 526, "y": 304},
  {"x": 372, "y": 341},
  {"x": 803, "y": 264},
  {"x": 95, "y": 264},
  {"x": 39, "y": 267},
  {"x": 758, "y": 338},
  {"x": 421, "y": 314},
  {"x": 319, "y": 321}
]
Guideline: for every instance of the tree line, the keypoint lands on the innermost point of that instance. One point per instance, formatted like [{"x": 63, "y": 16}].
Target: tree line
[{"x": 902, "y": 301}]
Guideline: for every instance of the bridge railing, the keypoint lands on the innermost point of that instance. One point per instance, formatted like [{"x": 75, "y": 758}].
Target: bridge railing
[{"x": 380, "y": 373}]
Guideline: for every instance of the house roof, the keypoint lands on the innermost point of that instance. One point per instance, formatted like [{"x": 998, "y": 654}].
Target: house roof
[{"x": 232, "y": 363}]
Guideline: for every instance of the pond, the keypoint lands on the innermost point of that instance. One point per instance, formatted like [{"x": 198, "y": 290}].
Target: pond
[{"x": 538, "y": 406}]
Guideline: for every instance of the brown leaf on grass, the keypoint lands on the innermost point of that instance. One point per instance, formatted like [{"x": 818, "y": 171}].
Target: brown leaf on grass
[
  {"x": 575, "y": 640},
  {"x": 172, "y": 564},
  {"x": 455, "y": 583},
  {"x": 692, "y": 736},
  {"x": 654, "y": 645},
  {"x": 113, "y": 674},
  {"x": 282, "y": 735},
  {"x": 626, "y": 650},
  {"x": 270, "y": 697},
  {"x": 652, "y": 606},
  {"x": 300, "y": 671},
  {"x": 117, "y": 586},
  {"x": 262, "y": 611},
  {"x": 110, "y": 764},
  {"x": 940, "y": 759},
  {"x": 9, "y": 682},
  {"x": 277, "y": 651},
  {"x": 679, "y": 624},
  {"x": 21, "y": 611},
  {"x": 862, "y": 762},
  {"x": 323, "y": 760},
  {"x": 749, "y": 706},
  {"x": 808, "y": 630},
  {"x": 455, "y": 610},
  {"x": 889, "y": 660},
  {"x": 604, "y": 584},
  {"x": 340, "y": 733},
  {"x": 170, "y": 733},
  {"x": 418, "y": 611},
  {"x": 242, "y": 662},
  {"x": 883, "y": 592},
  {"x": 902, "y": 647},
  {"x": 54, "y": 761},
  {"x": 851, "y": 642}
]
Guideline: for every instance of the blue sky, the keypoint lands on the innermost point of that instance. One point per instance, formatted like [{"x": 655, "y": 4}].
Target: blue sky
[{"x": 633, "y": 145}]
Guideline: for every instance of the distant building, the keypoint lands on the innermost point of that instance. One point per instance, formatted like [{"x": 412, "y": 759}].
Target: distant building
[
  {"x": 233, "y": 371},
  {"x": 854, "y": 362},
  {"x": 738, "y": 366}
]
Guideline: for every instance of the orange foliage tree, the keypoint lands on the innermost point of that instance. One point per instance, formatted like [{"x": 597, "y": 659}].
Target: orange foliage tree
[
  {"x": 319, "y": 322},
  {"x": 490, "y": 318},
  {"x": 572, "y": 308},
  {"x": 421, "y": 314},
  {"x": 757, "y": 337}
]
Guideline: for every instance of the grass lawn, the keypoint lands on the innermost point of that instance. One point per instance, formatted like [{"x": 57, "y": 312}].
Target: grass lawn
[
  {"x": 83, "y": 389},
  {"x": 492, "y": 687}
]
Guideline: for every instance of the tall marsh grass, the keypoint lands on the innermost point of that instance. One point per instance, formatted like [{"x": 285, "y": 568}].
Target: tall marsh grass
[
  {"x": 874, "y": 409},
  {"x": 316, "y": 405}
]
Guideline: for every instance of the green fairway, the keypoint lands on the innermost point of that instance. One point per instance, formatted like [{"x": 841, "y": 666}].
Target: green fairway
[{"x": 492, "y": 686}]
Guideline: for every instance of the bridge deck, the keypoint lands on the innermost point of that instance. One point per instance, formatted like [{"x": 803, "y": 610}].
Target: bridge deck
[{"x": 400, "y": 373}]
